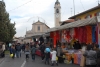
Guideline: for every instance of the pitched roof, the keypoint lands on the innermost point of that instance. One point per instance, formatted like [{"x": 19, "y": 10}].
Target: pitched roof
[
  {"x": 42, "y": 23},
  {"x": 79, "y": 23},
  {"x": 94, "y": 8},
  {"x": 57, "y": 2},
  {"x": 67, "y": 21}
]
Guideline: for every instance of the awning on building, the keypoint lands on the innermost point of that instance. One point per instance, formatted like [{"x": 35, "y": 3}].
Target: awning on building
[{"x": 90, "y": 21}]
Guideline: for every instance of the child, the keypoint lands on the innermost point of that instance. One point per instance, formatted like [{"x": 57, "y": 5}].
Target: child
[
  {"x": 33, "y": 50},
  {"x": 54, "y": 57}
]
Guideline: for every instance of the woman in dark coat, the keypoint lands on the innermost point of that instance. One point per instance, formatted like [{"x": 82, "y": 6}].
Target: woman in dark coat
[
  {"x": 90, "y": 56},
  {"x": 96, "y": 48}
]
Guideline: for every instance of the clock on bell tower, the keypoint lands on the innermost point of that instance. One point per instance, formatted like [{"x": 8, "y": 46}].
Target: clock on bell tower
[{"x": 57, "y": 13}]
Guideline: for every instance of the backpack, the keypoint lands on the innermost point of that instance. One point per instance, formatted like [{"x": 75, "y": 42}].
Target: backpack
[
  {"x": 42, "y": 48},
  {"x": 33, "y": 50}
]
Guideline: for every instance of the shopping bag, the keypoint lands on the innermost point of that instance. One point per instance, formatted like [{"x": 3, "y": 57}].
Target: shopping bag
[
  {"x": 11, "y": 55},
  {"x": 56, "y": 58}
]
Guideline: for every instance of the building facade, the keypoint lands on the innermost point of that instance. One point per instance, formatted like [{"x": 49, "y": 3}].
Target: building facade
[
  {"x": 95, "y": 11},
  {"x": 38, "y": 29}
]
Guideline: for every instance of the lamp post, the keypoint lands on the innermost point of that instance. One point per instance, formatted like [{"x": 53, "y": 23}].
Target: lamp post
[{"x": 74, "y": 6}]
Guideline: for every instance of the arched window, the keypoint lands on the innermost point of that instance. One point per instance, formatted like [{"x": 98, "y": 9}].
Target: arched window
[
  {"x": 57, "y": 10},
  {"x": 38, "y": 28}
]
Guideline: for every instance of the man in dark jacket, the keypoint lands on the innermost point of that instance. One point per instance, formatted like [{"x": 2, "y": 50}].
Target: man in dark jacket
[
  {"x": 18, "y": 50},
  {"x": 90, "y": 56},
  {"x": 98, "y": 55},
  {"x": 42, "y": 48}
]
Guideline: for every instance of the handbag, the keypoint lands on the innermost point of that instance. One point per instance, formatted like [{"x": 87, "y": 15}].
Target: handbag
[{"x": 11, "y": 55}]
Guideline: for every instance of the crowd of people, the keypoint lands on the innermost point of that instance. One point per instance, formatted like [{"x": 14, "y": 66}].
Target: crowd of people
[
  {"x": 48, "y": 53},
  {"x": 92, "y": 56},
  {"x": 55, "y": 55}
]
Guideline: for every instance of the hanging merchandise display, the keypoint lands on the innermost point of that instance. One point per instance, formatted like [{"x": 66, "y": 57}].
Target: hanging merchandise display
[
  {"x": 82, "y": 34},
  {"x": 89, "y": 34},
  {"x": 55, "y": 39},
  {"x": 76, "y": 33},
  {"x": 72, "y": 39},
  {"x": 57, "y": 35},
  {"x": 97, "y": 34},
  {"x": 51, "y": 34},
  {"x": 63, "y": 36},
  {"x": 68, "y": 37},
  {"x": 94, "y": 34},
  {"x": 72, "y": 33}
]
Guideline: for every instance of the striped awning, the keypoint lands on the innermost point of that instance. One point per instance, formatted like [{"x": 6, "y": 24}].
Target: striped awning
[{"x": 79, "y": 23}]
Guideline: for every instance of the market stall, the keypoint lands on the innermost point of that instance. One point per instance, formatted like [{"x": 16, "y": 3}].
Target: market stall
[{"x": 84, "y": 31}]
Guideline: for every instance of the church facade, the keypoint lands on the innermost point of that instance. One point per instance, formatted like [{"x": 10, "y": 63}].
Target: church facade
[{"x": 38, "y": 28}]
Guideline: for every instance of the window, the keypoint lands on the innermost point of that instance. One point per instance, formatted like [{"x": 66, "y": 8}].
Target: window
[
  {"x": 77, "y": 19},
  {"x": 57, "y": 11},
  {"x": 98, "y": 14},
  {"x": 88, "y": 16},
  {"x": 38, "y": 28}
]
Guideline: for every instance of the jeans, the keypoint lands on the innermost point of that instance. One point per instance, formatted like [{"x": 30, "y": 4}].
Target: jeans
[
  {"x": 33, "y": 56},
  {"x": 42, "y": 55},
  {"x": 18, "y": 54},
  {"x": 47, "y": 60},
  {"x": 27, "y": 56}
]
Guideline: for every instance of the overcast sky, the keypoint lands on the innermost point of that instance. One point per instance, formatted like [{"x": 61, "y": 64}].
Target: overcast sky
[{"x": 26, "y": 12}]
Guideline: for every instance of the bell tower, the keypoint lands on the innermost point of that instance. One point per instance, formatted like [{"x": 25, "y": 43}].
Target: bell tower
[{"x": 57, "y": 13}]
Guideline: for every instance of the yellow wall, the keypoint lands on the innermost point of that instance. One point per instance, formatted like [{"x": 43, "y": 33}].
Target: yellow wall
[{"x": 89, "y": 13}]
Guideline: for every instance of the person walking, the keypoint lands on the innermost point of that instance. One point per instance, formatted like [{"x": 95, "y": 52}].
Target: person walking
[
  {"x": 27, "y": 51},
  {"x": 23, "y": 47},
  {"x": 18, "y": 50},
  {"x": 53, "y": 58},
  {"x": 96, "y": 48},
  {"x": 42, "y": 49},
  {"x": 13, "y": 51},
  {"x": 59, "y": 52},
  {"x": 3, "y": 48},
  {"x": 47, "y": 54},
  {"x": 33, "y": 50},
  {"x": 90, "y": 56}
]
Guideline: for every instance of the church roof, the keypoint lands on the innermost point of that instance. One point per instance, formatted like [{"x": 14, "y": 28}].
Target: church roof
[
  {"x": 41, "y": 23},
  {"x": 57, "y": 2}
]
